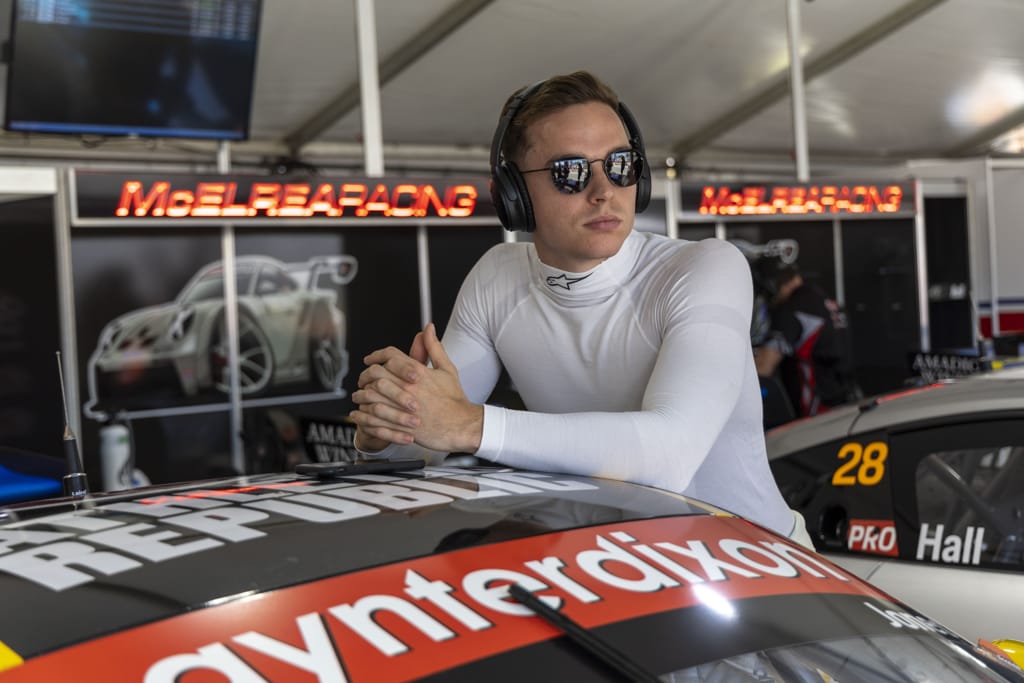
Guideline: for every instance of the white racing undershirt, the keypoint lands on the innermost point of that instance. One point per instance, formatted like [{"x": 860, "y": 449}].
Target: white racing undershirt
[{"x": 639, "y": 369}]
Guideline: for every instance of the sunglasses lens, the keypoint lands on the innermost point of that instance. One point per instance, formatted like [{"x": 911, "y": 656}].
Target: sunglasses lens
[
  {"x": 570, "y": 175},
  {"x": 623, "y": 168}
]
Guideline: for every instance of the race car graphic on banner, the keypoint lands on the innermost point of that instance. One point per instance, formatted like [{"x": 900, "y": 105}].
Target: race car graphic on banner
[{"x": 291, "y": 330}]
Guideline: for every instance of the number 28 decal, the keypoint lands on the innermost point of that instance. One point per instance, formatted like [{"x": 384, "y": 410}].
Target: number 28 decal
[{"x": 865, "y": 465}]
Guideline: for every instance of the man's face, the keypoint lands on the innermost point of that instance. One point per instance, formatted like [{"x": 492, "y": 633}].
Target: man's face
[{"x": 576, "y": 232}]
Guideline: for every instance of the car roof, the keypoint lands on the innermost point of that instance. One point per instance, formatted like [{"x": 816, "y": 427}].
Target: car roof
[
  {"x": 163, "y": 551},
  {"x": 407, "y": 575},
  {"x": 997, "y": 395}
]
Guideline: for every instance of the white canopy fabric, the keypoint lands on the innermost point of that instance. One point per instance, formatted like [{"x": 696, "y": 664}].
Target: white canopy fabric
[{"x": 886, "y": 81}]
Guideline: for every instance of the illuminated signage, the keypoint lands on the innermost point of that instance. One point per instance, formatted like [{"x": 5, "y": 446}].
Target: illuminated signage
[
  {"x": 764, "y": 200},
  {"x": 187, "y": 198}
]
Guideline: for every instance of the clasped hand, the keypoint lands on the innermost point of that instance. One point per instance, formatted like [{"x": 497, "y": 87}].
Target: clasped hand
[{"x": 402, "y": 400}]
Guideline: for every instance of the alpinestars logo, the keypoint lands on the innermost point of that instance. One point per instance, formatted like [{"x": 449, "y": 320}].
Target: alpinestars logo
[{"x": 564, "y": 281}]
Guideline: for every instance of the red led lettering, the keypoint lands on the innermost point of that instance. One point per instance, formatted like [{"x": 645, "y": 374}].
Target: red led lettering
[
  {"x": 460, "y": 200},
  {"x": 346, "y": 198},
  {"x": 378, "y": 201},
  {"x": 293, "y": 203},
  {"x": 230, "y": 208},
  {"x": 408, "y": 208},
  {"x": 209, "y": 199},
  {"x": 155, "y": 201},
  {"x": 323, "y": 201},
  {"x": 180, "y": 203},
  {"x": 217, "y": 199},
  {"x": 264, "y": 197},
  {"x": 429, "y": 197}
]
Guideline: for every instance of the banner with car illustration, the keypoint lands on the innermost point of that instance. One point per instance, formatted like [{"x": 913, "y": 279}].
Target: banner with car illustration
[
  {"x": 151, "y": 326},
  {"x": 291, "y": 330}
]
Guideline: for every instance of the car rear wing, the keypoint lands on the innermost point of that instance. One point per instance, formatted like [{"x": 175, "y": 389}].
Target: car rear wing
[{"x": 341, "y": 270}]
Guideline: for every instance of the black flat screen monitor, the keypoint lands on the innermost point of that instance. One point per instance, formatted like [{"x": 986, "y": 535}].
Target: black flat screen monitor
[{"x": 153, "y": 68}]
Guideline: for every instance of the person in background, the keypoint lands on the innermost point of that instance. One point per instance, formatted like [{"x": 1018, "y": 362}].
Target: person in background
[
  {"x": 631, "y": 351},
  {"x": 808, "y": 344}
]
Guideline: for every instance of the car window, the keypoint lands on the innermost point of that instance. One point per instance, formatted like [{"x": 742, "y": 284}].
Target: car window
[
  {"x": 274, "y": 281},
  {"x": 211, "y": 286},
  {"x": 971, "y": 506},
  {"x": 966, "y": 494}
]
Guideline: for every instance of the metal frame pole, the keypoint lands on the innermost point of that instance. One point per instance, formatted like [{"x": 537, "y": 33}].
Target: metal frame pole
[{"x": 796, "y": 75}]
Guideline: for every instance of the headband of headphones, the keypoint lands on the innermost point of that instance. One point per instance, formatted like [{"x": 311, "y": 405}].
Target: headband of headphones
[{"x": 508, "y": 187}]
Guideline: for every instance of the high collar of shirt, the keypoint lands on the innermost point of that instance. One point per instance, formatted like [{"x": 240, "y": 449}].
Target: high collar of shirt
[{"x": 591, "y": 286}]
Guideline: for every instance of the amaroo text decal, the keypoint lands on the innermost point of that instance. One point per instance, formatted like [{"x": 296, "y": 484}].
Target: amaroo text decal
[{"x": 414, "y": 618}]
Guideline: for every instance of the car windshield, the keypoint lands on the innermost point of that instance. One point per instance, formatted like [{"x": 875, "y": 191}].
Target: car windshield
[
  {"x": 211, "y": 286},
  {"x": 907, "y": 657}
]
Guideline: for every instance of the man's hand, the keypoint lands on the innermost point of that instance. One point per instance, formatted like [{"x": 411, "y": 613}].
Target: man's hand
[
  {"x": 401, "y": 400},
  {"x": 387, "y": 411}
]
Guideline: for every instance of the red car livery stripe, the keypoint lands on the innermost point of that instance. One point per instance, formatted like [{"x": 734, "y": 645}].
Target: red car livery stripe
[{"x": 411, "y": 619}]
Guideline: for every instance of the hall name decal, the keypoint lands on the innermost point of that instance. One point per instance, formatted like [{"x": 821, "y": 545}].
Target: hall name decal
[
  {"x": 757, "y": 200},
  {"x": 223, "y": 199}
]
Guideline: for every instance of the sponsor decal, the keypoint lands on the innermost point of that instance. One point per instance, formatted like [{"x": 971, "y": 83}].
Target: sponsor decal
[
  {"x": 416, "y": 618},
  {"x": 329, "y": 440},
  {"x": 61, "y": 552},
  {"x": 863, "y": 466},
  {"x": 932, "y": 367},
  {"x": 899, "y": 619},
  {"x": 938, "y": 546},
  {"x": 875, "y": 536}
]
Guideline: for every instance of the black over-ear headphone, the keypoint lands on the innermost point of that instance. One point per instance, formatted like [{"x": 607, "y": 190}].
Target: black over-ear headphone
[{"x": 508, "y": 188}]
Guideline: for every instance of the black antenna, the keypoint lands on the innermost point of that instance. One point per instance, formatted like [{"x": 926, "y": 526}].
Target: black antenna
[{"x": 75, "y": 482}]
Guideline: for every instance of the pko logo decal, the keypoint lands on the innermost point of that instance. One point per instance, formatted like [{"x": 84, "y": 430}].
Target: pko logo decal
[
  {"x": 875, "y": 536},
  {"x": 419, "y": 617}
]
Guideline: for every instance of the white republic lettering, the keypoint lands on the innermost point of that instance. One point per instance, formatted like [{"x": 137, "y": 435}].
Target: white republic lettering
[{"x": 32, "y": 551}]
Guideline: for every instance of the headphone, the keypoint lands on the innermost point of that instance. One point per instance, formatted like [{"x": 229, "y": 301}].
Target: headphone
[{"x": 508, "y": 187}]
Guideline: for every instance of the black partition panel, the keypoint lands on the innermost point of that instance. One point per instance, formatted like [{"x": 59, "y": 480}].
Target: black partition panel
[
  {"x": 881, "y": 300},
  {"x": 31, "y": 418},
  {"x": 949, "y": 297},
  {"x": 453, "y": 251}
]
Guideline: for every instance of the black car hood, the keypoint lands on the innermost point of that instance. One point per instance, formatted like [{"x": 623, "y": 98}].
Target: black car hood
[{"x": 69, "y": 573}]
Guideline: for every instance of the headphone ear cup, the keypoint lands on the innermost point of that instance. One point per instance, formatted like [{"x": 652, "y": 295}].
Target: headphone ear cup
[
  {"x": 643, "y": 188},
  {"x": 511, "y": 198},
  {"x": 636, "y": 140}
]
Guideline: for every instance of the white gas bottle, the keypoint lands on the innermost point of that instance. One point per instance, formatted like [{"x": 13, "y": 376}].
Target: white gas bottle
[{"x": 117, "y": 465}]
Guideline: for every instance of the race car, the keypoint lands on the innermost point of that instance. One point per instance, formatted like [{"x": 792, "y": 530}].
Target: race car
[
  {"x": 290, "y": 329},
  {"x": 920, "y": 491},
  {"x": 389, "y": 571}
]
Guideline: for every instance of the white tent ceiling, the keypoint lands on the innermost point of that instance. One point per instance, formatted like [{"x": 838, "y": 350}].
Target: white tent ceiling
[{"x": 886, "y": 81}]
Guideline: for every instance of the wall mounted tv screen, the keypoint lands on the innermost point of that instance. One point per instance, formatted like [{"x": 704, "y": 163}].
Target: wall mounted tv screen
[{"x": 152, "y": 68}]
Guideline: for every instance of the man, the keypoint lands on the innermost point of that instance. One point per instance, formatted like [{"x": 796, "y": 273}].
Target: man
[
  {"x": 630, "y": 350},
  {"x": 807, "y": 344}
]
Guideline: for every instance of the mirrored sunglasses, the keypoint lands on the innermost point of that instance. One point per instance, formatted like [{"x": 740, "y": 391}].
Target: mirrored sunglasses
[{"x": 572, "y": 175}]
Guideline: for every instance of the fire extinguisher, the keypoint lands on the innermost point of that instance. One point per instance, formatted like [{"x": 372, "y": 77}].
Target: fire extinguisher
[{"x": 117, "y": 457}]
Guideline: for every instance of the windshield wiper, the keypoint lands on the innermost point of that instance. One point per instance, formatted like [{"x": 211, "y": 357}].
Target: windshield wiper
[{"x": 590, "y": 643}]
